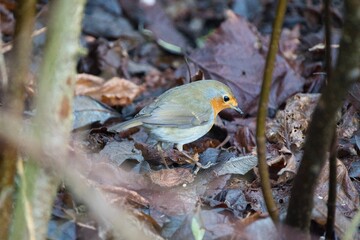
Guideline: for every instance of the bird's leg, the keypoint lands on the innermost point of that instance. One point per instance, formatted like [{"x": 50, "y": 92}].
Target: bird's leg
[
  {"x": 192, "y": 160},
  {"x": 161, "y": 152}
]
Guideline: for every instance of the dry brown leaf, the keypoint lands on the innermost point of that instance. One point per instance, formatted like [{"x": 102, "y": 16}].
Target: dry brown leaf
[
  {"x": 171, "y": 177},
  {"x": 289, "y": 171},
  {"x": 114, "y": 193},
  {"x": 290, "y": 125},
  {"x": 347, "y": 198},
  {"x": 235, "y": 54},
  {"x": 114, "y": 92},
  {"x": 319, "y": 215},
  {"x": 262, "y": 229}
]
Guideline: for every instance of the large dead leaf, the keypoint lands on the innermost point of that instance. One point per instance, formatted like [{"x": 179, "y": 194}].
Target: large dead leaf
[
  {"x": 119, "y": 152},
  {"x": 235, "y": 54},
  {"x": 290, "y": 125},
  {"x": 104, "y": 19},
  {"x": 87, "y": 110},
  {"x": 262, "y": 229},
  {"x": 217, "y": 223},
  {"x": 116, "y": 91},
  {"x": 172, "y": 177},
  {"x": 347, "y": 198},
  {"x": 289, "y": 165},
  {"x": 154, "y": 18},
  {"x": 237, "y": 165}
]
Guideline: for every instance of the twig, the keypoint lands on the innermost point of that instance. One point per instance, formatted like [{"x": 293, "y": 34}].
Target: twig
[
  {"x": 262, "y": 112},
  {"x": 323, "y": 122},
  {"x": 4, "y": 76},
  {"x": 331, "y": 203}
]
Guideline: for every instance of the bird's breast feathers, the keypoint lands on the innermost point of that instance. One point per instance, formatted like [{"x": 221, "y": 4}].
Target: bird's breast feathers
[{"x": 180, "y": 135}]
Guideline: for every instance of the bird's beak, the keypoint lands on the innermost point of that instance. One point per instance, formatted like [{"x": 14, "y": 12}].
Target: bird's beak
[{"x": 236, "y": 108}]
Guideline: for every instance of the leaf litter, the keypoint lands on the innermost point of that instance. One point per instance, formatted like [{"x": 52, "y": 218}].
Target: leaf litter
[{"x": 125, "y": 69}]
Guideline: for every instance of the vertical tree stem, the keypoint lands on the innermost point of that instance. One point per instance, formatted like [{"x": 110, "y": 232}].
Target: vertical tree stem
[
  {"x": 331, "y": 202},
  {"x": 53, "y": 120},
  {"x": 320, "y": 131},
  {"x": 13, "y": 99},
  {"x": 262, "y": 112}
]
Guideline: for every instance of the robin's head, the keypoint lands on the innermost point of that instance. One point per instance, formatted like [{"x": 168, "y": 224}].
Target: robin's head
[{"x": 221, "y": 97}]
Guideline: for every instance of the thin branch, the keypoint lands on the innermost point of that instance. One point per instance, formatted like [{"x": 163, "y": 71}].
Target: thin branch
[
  {"x": 331, "y": 202},
  {"x": 4, "y": 81},
  {"x": 320, "y": 132},
  {"x": 330, "y": 233},
  {"x": 262, "y": 112}
]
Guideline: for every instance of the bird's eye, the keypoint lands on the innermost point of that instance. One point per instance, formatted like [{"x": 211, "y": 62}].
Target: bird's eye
[{"x": 226, "y": 98}]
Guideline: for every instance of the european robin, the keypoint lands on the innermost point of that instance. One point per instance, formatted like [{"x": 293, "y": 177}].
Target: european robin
[{"x": 183, "y": 114}]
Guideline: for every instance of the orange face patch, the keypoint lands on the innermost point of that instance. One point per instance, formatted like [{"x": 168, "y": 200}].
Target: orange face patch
[{"x": 218, "y": 104}]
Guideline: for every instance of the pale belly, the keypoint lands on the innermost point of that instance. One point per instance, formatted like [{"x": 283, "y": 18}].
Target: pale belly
[{"x": 180, "y": 136}]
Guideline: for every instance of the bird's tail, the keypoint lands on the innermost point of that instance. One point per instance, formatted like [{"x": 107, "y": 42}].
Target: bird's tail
[{"x": 125, "y": 125}]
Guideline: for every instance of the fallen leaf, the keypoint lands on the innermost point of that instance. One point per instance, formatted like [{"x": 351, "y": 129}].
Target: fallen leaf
[
  {"x": 155, "y": 19},
  {"x": 319, "y": 215},
  {"x": 354, "y": 171},
  {"x": 171, "y": 177},
  {"x": 119, "y": 152},
  {"x": 347, "y": 198},
  {"x": 237, "y": 165},
  {"x": 354, "y": 95},
  {"x": 218, "y": 224},
  {"x": 262, "y": 229},
  {"x": 7, "y": 21},
  {"x": 119, "y": 91},
  {"x": 87, "y": 111},
  {"x": 104, "y": 19},
  {"x": 119, "y": 194},
  {"x": 61, "y": 229},
  {"x": 290, "y": 125},
  {"x": 349, "y": 123},
  {"x": 289, "y": 43},
  {"x": 87, "y": 83},
  {"x": 235, "y": 54},
  {"x": 289, "y": 171},
  {"x": 245, "y": 135},
  {"x": 114, "y": 92}
]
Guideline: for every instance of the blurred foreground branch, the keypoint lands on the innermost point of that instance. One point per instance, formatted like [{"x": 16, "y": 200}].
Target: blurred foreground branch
[
  {"x": 123, "y": 224},
  {"x": 262, "y": 112},
  {"x": 346, "y": 72},
  {"x": 13, "y": 99},
  {"x": 53, "y": 121}
]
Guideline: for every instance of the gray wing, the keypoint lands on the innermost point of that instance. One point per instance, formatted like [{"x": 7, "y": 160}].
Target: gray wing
[{"x": 181, "y": 111}]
